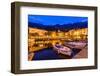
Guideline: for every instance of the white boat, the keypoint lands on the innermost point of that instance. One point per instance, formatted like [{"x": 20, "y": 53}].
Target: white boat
[
  {"x": 67, "y": 48},
  {"x": 78, "y": 45},
  {"x": 63, "y": 50}
]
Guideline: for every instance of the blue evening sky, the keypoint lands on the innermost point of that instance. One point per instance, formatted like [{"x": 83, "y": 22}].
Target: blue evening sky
[{"x": 49, "y": 19}]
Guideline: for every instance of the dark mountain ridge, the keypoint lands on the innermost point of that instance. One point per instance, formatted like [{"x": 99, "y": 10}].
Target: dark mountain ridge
[{"x": 62, "y": 27}]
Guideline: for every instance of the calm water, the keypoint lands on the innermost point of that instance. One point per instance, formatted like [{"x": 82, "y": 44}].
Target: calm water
[{"x": 50, "y": 54}]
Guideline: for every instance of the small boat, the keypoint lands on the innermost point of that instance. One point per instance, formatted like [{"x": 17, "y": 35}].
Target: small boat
[
  {"x": 78, "y": 45},
  {"x": 62, "y": 50}
]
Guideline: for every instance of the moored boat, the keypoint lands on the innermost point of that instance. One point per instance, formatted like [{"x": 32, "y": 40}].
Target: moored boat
[{"x": 62, "y": 49}]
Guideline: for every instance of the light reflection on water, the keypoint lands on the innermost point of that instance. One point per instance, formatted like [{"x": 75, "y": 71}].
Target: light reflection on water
[{"x": 51, "y": 54}]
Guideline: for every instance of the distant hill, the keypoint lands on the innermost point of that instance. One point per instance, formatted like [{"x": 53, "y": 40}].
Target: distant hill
[{"x": 62, "y": 27}]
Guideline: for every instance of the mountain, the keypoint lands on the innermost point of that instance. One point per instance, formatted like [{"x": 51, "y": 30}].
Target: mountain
[{"x": 62, "y": 27}]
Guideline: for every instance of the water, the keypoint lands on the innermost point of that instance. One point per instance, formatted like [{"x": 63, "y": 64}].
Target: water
[{"x": 50, "y": 54}]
